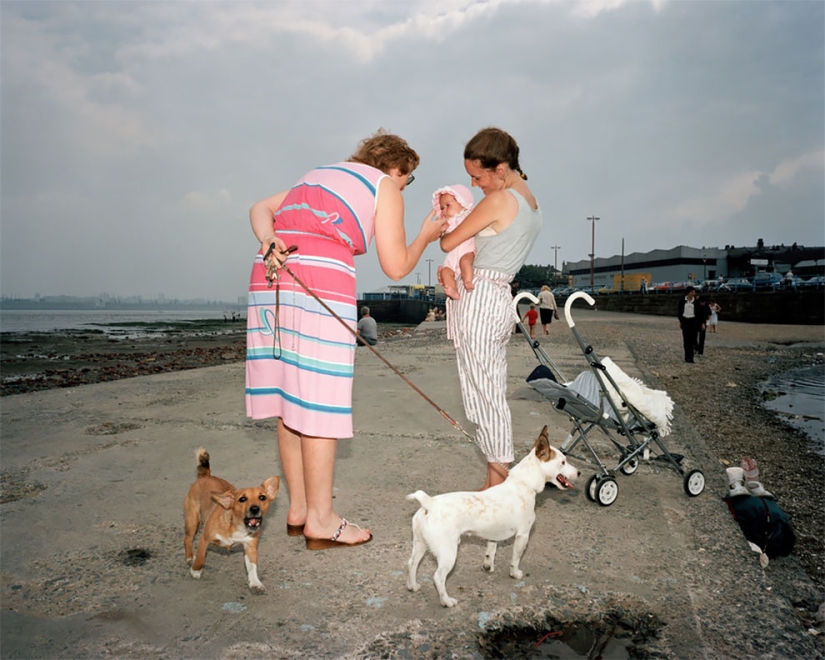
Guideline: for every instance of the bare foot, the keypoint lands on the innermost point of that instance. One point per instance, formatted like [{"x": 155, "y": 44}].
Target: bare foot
[
  {"x": 469, "y": 286},
  {"x": 451, "y": 292}
]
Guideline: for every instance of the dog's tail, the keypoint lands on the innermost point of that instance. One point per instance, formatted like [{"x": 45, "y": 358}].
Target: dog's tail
[
  {"x": 202, "y": 458},
  {"x": 421, "y": 497}
]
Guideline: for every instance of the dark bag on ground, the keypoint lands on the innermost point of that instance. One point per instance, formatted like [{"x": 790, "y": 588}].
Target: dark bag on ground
[
  {"x": 764, "y": 523},
  {"x": 541, "y": 372}
]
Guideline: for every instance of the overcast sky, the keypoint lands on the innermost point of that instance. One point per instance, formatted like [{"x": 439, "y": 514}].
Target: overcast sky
[{"x": 135, "y": 136}]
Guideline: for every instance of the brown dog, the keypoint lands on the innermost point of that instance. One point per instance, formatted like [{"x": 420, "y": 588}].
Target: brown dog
[{"x": 229, "y": 517}]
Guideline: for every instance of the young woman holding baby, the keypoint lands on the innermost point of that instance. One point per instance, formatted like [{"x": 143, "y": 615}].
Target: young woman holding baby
[{"x": 505, "y": 225}]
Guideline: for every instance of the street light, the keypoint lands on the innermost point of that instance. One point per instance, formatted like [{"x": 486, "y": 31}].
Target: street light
[
  {"x": 429, "y": 272},
  {"x": 555, "y": 249},
  {"x": 704, "y": 264},
  {"x": 593, "y": 219}
]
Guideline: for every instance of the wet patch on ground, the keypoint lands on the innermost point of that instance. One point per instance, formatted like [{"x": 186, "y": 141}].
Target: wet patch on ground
[
  {"x": 17, "y": 486},
  {"x": 84, "y": 581}
]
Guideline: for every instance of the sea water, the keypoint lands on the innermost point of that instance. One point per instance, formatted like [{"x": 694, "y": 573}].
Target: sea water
[
  {"x": 799, "y": 397},
  {"x": 106, "y": 320}
]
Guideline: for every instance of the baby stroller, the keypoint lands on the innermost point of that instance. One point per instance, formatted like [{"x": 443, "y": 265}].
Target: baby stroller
[{"x": 607, "y": 399}]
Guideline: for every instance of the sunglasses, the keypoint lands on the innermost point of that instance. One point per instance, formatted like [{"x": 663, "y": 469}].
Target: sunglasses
[{"x": 410, "y": 178}]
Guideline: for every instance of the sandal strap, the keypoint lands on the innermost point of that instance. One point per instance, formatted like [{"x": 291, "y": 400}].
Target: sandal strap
[{"x": 338, "y": 531}]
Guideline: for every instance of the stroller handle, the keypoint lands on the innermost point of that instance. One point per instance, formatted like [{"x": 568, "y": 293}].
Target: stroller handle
[
  {"x": 517, "y": 299},
  {"x": 569, "y": 303}
]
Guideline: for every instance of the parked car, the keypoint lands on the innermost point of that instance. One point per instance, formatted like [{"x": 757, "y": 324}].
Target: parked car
[
  {"x": 736, "y": 284},
  {"x": 766, "y": 280},
  {"x": 661, "y": 286},
  {"x": 709, "y": 285},
  {"x": 815, "y": 282}
]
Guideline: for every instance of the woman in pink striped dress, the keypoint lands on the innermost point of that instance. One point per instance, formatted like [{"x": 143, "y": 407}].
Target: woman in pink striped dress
[{"x": 299, "y": 364}]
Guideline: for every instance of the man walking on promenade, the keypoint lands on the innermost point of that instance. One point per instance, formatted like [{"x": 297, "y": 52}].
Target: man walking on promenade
[{"x": 688, "y": 322}]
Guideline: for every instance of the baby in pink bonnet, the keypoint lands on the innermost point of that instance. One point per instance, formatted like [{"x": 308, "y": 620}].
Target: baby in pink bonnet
[{"x": 455, "y": 203}]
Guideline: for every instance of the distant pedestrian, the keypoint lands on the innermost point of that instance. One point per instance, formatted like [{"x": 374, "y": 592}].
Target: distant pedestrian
[
  {"x": 367, "y": 328},
  {"x": 531, "y": 317},
  {"x": 687, "y": 322},
  {"x": 714, "y": 308},
  {"x": 547, "y": 308},
  {"x": 702, "y": 315}
]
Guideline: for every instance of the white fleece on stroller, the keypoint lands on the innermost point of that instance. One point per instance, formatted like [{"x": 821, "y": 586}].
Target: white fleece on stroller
[{"x": 656, "y": 405}]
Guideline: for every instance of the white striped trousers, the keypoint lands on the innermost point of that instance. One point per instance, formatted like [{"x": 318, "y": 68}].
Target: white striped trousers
[{"x": 483, "y": 324}]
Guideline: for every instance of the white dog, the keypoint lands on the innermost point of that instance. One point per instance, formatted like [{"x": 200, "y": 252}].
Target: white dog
[{"x": 495, "y": 514}]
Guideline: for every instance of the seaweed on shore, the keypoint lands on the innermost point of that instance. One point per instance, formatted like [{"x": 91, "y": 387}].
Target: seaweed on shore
[{"x": 176, "y": 326}]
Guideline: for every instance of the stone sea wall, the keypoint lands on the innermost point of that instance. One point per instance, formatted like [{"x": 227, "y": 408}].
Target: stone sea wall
[{"x": 791, "y": 307}]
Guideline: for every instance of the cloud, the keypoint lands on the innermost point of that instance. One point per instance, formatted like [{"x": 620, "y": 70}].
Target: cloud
[
  {"x": 734, "y": 193},
  {"x": 87, "y": 111},
  {"x": 154, "y": 126}
]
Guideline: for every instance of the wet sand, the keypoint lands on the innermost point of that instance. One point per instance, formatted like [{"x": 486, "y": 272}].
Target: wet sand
[{"x": 94, "y": 477}]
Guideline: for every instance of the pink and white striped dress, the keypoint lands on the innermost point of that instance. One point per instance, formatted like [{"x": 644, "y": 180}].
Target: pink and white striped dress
[{"x": 299, "y": 364}]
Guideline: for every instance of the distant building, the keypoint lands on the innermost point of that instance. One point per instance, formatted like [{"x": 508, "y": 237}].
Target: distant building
[
  {"x": 684, "y": 263},
  {"x": 405, "y": 291}
]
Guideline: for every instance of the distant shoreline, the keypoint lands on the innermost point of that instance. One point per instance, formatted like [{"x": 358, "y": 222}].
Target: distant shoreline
[{"x": 7, "y": 305}]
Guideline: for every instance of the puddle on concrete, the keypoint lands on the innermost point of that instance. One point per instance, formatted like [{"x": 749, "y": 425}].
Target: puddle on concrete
[
  {"x": 135, "y": 556},
  {"x": 615, "y": 636},
  {"x": 799, "y": 398}
]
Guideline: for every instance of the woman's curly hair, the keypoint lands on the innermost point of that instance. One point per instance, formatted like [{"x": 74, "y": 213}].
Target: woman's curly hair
[{"x": 384, "y": 151}]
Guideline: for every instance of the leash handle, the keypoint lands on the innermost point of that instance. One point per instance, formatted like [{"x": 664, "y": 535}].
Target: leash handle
[{"x": 272, "y": 271}]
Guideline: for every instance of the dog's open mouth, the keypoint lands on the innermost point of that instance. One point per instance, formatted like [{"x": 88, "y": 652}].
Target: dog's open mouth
[
  {"x": 252, "y": 523},
  {"x": 564, "y": 482}
]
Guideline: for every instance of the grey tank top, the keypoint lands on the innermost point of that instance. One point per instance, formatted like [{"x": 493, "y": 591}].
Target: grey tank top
[{"x": 507, "y": 251}]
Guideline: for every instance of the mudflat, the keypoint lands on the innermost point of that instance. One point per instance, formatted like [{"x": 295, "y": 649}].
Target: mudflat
[{"x": 94, "y": 475}]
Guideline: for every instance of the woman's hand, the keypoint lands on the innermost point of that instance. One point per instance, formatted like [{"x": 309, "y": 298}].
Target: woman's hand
[
  {"x": 398, "y": 259},
  {"x": 275, "y": 254},
  {"x": 433, "y": 227}
]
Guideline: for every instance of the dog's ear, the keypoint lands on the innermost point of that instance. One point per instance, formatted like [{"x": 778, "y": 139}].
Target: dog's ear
[
  {"x": 225, "y": 500},
  {"x": 271, "y": 486},
  {"x": 543, "y": 449}
]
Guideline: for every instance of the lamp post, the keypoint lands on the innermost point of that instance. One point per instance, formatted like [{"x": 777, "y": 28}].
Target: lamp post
[
  {"x": 555, "y": 249},
  {"x": 593, "y": 219},
  {"x": 704, "y": 264},
  {"x": 429, "y": 272}
]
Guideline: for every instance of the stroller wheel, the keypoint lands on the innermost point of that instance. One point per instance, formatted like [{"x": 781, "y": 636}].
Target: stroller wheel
[
  {"x": 694, "y": 483},
  {"x": 607, "y": 491},
  {"x": 590, "y": 488},
  {"x": 630, "y": 467}
]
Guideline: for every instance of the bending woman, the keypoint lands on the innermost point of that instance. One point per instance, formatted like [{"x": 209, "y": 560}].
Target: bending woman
[
  {"x": 505, "y": 225},
  {"x": 299, "y": 361}
]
